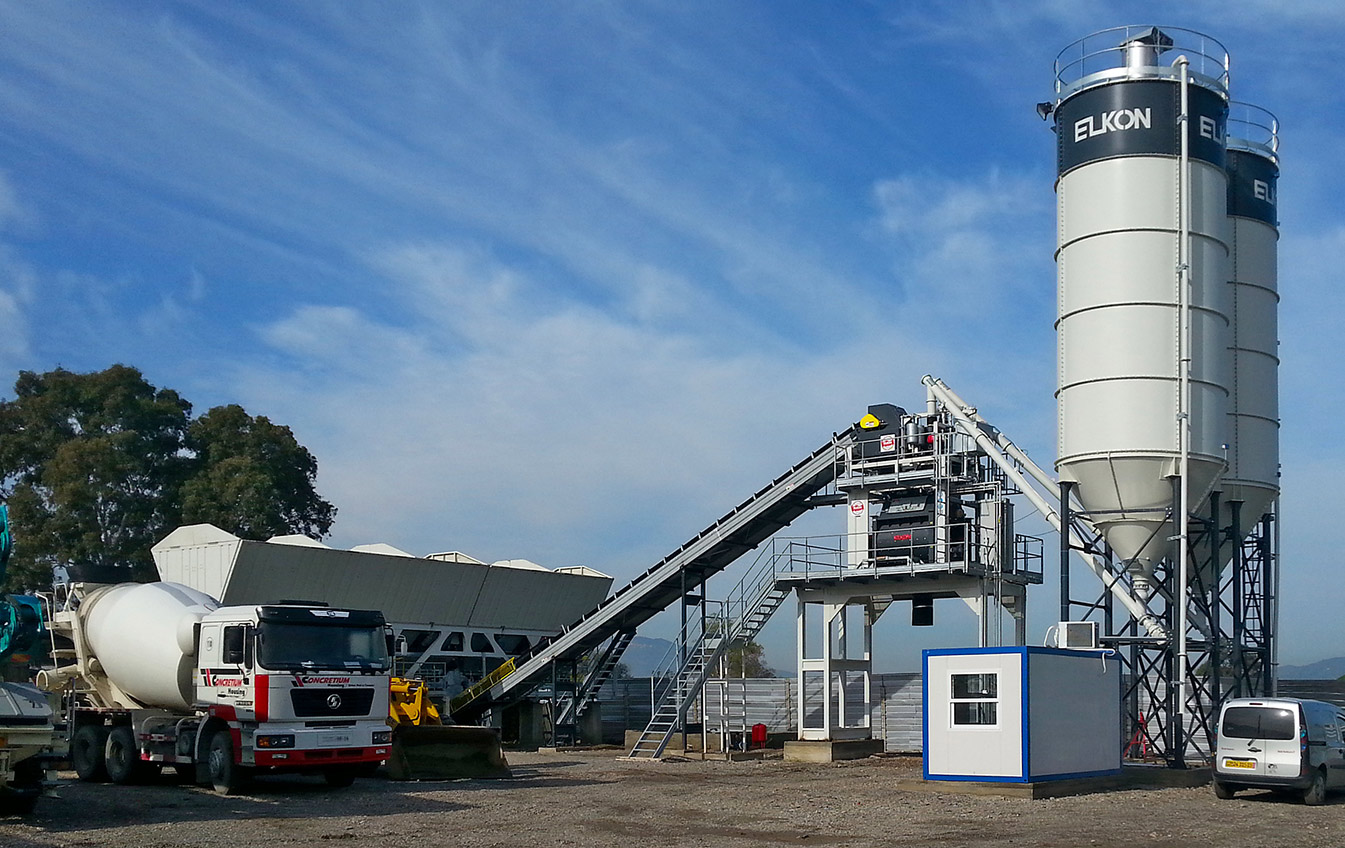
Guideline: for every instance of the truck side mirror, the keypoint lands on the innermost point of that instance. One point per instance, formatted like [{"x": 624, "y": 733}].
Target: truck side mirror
[{"x": 233, "y": 646}]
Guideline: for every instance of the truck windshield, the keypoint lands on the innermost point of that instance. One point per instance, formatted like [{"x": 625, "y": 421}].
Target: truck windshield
[
  {"x": 282, "y": 645},
  {"x": 1259, "y": 723}
]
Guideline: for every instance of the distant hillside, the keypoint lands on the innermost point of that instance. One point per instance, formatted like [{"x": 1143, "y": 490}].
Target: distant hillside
[
  {"x": 1320, "y": 670},
  {"x": 644, "y": 655}
]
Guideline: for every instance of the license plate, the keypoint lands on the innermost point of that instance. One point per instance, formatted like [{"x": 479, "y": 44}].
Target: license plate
[
  {"x": 1241, "y": 764},
  {"x": 334, "y": 739}
]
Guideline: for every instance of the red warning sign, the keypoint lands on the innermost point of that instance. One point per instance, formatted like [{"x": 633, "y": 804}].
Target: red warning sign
[
  {"x": 857, "y": 507},
  {"x": 887, "y": 443}
]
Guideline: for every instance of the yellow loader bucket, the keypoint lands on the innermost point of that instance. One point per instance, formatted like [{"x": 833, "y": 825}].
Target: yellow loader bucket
[{"x": 445, "y": 752}]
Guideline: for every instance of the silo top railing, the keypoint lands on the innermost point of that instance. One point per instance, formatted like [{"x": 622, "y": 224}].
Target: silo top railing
[
  {"x": 1109, "y": 55},
  {"x": 1254, "y": 130}
]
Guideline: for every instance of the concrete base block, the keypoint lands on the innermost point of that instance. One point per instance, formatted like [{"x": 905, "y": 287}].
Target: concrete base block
[{"x": 827, "y": 751}]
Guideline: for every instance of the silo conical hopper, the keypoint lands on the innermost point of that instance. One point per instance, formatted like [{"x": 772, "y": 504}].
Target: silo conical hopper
[{"x": 1129, "y": 217}]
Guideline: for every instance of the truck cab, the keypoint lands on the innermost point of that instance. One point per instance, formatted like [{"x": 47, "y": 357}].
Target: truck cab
[
  {"x": 293, "y": 687},
  {"x": 1282, "y": 744}
]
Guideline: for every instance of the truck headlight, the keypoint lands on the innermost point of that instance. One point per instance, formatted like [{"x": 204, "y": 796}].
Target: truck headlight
[
  {"x": 382, "y": 737},
  {"x": 275, "y": 740}
]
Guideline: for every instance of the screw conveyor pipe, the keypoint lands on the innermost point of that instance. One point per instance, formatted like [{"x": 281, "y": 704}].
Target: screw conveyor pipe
[{"x": 1000, "y": 449}]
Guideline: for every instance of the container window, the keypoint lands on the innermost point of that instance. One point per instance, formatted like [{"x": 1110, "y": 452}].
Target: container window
[
  {"x": 1259, "y": 723},
  {"x": 975, "y": 701}
]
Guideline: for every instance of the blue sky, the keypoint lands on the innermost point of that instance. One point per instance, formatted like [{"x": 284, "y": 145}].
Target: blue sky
[{"x": 565, "y": 281}]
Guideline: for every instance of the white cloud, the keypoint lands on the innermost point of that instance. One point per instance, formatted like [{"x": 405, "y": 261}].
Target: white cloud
[{"x": 501, "y": 423}]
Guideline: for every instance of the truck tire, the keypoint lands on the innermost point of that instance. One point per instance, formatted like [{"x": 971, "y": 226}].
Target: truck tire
[
  {"x": 226, "y": 776},
  {"x": 1224, "y": 791},
  {"x": 122, "y": 757},
  {"x": 20, "y": 797},
  {"x": 339, "y": 776},
  {"x": 88, "y": 753},
  {"x": 1315, "y": 794}
]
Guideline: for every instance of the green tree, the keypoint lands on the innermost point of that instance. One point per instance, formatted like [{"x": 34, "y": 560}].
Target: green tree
[
  {"x": 749, "y": 660},
  {"x": 92, "y": 464},
  {"x": 98, "y": 467},
  {"x": 252, "y": 478}
]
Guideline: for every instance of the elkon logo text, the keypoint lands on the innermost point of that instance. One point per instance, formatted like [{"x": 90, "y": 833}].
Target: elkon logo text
[{"x": 1113, "y": 121}]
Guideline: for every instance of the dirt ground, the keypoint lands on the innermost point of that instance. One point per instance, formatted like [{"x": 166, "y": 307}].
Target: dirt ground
[{"x": 595, "y": 799}]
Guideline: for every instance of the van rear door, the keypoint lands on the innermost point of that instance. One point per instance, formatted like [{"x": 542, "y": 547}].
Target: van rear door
[{"x": 1259, "y": 740}]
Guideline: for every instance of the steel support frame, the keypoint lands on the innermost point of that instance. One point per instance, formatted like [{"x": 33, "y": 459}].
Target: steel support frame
[{"x": 1235, "y": 659}]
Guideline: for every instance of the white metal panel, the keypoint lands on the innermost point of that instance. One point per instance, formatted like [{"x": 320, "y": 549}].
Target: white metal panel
[
  {"x": 1120, "y": 363},
  {"x": 1074, "y": 713},
  {"x": 205, "y": 567},
  {"x": 975, "y": 751},
  {"x": 1253, "y": 472}
]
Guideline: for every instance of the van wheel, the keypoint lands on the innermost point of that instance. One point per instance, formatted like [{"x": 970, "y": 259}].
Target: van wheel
[
  {"x": 226, "y": 776},
  {"x": 1224, "y": 791},
  {"x": 87, "y": 753},
  {"x": 1315, "y": 795}
]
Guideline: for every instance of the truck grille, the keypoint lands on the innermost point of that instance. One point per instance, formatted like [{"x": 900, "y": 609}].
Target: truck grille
[{"x": 331, "y": 702}]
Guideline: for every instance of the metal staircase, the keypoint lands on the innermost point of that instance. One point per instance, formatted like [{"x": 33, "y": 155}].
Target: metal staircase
[
  {"x": 599, "y": 671},
  {"x": 681, "y": 677},
  {"x": 675, "y": 685},
  {"x": 709, "y": 552}
]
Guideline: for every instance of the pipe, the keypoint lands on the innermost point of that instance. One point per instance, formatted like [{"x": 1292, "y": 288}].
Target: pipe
[
  {"x": 1184, "y": 411},
  {"x": 1113, "y": 584}
]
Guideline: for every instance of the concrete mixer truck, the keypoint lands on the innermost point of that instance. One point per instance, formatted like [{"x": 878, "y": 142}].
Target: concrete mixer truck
[{"x": 158, "y": 674}]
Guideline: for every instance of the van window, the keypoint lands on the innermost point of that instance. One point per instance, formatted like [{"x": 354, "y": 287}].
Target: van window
[{"x": 1259, "y": 723}]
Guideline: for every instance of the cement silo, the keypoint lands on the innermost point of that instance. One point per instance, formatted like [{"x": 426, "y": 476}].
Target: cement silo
[
  {"x": 1252, "y": 478},
  {"x": 1143, "y": 269}
]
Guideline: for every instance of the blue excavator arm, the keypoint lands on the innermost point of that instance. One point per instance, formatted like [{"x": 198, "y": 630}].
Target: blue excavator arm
[{"x": 20, "y": 615}]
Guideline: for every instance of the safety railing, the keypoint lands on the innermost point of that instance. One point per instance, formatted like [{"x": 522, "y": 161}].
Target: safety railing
[
  {"x": 483, "y": 686},
  {"x": 1130, "y": 51}
]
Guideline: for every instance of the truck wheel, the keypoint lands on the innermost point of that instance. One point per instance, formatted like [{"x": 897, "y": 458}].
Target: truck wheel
[
  {"x": 87, "y": 752},
  {"x": 1315, "y": 794},
  {"x": 339, "y": 776},
  {"x": 20, "y": 797},
  {"x": 228, "y": 777},
  {"x": 122, "y": 757},
  {"x": 1224, "y": 791}
]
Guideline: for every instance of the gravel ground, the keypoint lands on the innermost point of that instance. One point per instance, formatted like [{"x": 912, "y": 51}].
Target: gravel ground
[{"x": 595, "y": 799}]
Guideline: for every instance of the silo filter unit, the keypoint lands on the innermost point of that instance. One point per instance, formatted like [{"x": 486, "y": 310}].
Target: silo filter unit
[
  {"x": 1129, "y": 219},
  {"x": 1252, "y": 477}
]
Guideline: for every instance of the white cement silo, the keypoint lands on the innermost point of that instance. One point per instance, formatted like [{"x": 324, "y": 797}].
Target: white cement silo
[
  {"x": 1143, "y": 270},
  {"x": 1252, "y": 478}
]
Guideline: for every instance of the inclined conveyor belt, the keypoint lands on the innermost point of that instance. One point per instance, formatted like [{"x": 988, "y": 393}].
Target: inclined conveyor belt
[{"x": 710, "y": 551}]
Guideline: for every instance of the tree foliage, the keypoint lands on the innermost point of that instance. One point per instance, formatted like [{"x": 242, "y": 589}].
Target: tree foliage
[
  {"x": 749, "y": 660},
  {"x": 252, "y": 477},
  {"x": 98, "y": 467}
]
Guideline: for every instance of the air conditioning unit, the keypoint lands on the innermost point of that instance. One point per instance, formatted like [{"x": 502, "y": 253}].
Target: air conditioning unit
[{"x": 1082, "y": 635}]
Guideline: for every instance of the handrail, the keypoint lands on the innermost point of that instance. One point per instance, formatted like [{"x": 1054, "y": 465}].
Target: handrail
[{"x": 483, "y": 685}]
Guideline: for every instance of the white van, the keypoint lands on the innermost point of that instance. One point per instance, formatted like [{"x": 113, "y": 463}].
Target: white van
[{"x": 1284, "y": 744}]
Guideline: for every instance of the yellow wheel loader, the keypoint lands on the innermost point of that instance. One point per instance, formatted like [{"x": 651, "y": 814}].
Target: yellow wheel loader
[{"x": 424, "y": 748}]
